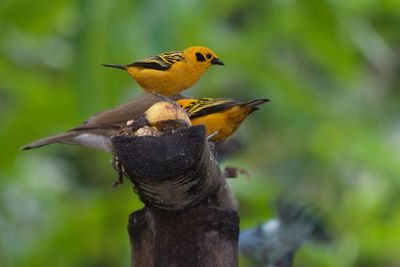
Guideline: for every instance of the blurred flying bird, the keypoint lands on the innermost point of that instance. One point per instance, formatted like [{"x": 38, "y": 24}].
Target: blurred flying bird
[
  {"x": 170, "y": 73},
  {"x": 275, "y": 242},
  {"x": 221, "y": 118}
]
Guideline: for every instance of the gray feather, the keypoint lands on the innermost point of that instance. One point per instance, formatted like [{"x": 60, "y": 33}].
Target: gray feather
[
  {"x": 59, "y": 138},
  {"x": 96, "y": 131}
]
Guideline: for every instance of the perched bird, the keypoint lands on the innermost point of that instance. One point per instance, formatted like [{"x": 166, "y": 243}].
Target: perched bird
[
  {"x": 171, "y": 72},
  {"x": 221, "y": 118},
  {"x": 275, "y": 242},
  {"x": 97, "y": 131}
]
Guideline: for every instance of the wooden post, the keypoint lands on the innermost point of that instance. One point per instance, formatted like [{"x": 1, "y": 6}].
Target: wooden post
[{"x": 190, "y": 218}]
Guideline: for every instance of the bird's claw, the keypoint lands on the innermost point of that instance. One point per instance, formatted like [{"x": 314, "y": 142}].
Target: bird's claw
[
  {"x": 162, "y": 97},
  {"x": 120, "y": 170}
]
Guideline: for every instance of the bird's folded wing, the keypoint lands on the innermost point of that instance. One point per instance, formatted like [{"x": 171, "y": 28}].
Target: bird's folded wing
[{"x": 161, "y": 62}]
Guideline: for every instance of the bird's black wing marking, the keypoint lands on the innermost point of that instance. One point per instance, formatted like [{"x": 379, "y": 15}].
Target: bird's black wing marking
[
  {"x": 214, "y": 109},
  {"x": 172, "y": 57},
  {"x": 154, "y": 62},
  {"x": 161, "y": 62}
]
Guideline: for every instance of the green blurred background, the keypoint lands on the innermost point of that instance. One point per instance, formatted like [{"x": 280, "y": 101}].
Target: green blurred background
[{"x": 329, "y": 137}]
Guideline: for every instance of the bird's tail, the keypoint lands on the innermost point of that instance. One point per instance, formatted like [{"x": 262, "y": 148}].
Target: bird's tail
[
  {"x": 59, "y": 138},
  {"x": 255, "y": 104},
  {"x": 116, "y": 66}
]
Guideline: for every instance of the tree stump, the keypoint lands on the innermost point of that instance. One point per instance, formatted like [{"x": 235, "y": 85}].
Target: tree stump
[{"x": 190, "y": 217}]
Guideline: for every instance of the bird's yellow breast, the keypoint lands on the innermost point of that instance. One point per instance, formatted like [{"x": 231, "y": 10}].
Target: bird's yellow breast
[
  {"x": 225, "y": 123},
  {"x": 179, "y": 77}
]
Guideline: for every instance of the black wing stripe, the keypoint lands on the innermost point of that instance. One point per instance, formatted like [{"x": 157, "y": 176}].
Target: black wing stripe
[
  {"x": 161, "y": 62},
  {"x": 255, "y": 104},
  {"x": 155, "y": 65},
  {"x": 214, "y": 109}
]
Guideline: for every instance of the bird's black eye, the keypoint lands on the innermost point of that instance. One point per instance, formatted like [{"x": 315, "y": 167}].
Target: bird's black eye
[
  {"x": 208, "y": 56},
  {"x": 200, "y": 57}
]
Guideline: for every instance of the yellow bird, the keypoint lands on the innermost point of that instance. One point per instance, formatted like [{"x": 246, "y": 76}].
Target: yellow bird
[
  {"x": 171, "y": 72},
  {"x": 221, "y": 116}
]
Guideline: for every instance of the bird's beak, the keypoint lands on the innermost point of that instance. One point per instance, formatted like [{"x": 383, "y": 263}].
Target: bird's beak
[{"x": 217, "y": 61}]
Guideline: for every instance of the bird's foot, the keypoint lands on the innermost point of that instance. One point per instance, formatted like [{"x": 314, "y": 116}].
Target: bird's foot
[
  {"x": 120, "y": 171},
  {"x": 162, "y": 97}
]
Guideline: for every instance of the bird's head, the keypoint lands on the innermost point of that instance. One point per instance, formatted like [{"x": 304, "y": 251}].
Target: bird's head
[{"x": 203, "y": 57}]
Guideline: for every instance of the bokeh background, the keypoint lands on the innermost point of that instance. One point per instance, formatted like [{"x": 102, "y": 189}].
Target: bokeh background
[{"x": 329, "y": 137}]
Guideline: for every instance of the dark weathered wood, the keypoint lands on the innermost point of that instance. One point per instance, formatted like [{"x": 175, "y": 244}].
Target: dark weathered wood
[
  {"x": 199, "y": 236},
  {"x": 190, "y": 217},
  {"x": 174, "y": 171},
  {"x": 161, "y": 158}
]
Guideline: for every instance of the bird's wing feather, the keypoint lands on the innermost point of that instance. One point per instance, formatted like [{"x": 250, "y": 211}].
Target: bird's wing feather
[
  {"x": 207, "y": 106},
  {"x": 121, "y": 114},
  {"x": 161, "y": 62},
  {"x": 103, "y": 124},
  {"x": 255, "y": 104},
  {"x": 50, "y": 140}
]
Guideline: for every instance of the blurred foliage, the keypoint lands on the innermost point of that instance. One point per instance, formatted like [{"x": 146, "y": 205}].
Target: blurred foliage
[{"x": 329, "y": 137}]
